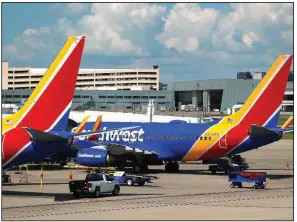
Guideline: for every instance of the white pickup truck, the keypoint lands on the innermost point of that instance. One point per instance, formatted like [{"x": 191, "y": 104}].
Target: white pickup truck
[{"x": 95, "y": 184}]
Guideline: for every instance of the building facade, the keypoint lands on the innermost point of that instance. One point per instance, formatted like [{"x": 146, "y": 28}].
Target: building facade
[
  {"x": 114, "y": 90},
  {"x": 207, "y": 95},
  {"x": 88, "y": 79},
  {"x": 221, "y": 93},
  {"x": 105, "y": 100}
]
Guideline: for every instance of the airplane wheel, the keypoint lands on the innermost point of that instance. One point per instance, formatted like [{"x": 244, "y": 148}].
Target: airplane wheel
[
  {"x": 171, "y": 167},
  {"x": 175, "y": 166},
  {"x": 144, "y": 168},
  {"x": 137, "y": 168},
  {"x": 167, "y": 167}
]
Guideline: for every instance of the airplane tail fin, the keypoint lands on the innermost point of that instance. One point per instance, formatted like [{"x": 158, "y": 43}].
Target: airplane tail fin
[
  {"x": 96, "y": 127},
  {"x": 82, "y": 125},
  {"x": 48, "y": 106},
  {"x": 287, "y": 123},
  {"x": 263, "y": 105}
]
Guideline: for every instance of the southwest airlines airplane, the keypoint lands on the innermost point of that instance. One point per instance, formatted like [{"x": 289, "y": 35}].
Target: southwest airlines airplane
[
  {"x": 251, "y": 127},
  {"x": 38, "y": 129}
]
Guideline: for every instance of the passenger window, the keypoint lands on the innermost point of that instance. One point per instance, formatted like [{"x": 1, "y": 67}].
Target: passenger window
[
  {"x": 201, "y": 138},
  {"x": 108, "y": 178},
  {"x": 209, "y": 138},
  {"x": 99, "y": 178},
  {"x": 205, "y": 138}
]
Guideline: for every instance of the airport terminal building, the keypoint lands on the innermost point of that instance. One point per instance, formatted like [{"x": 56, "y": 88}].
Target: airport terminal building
[{"x": 207, "y": 95}]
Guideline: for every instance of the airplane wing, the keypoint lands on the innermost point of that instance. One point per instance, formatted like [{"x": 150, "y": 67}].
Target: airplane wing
[
  {"x": 114, "y": 147},
  {"x": 288, "y": 130},
  {"x": 118, "y": 149},
  {"x": 287, "y": 123}
]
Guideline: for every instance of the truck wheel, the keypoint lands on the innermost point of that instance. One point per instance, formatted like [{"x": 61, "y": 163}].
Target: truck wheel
[
  {"x": 240, "y": 185},
  {"x": 97, "y": 192},
  {"x": 130, "y": 182},
  {"x": 116, "y": 191},
  {"x": 232, "y": 185},
  {"x": 76, "y": 194}
]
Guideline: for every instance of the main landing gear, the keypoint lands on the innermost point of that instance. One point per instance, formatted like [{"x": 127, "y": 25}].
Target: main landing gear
[
  {"x": 172, "y": 167},
  {"x": 140, "y": 168}
]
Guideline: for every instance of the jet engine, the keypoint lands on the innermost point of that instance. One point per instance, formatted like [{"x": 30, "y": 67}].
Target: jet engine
[{"x": 95, "y": 157}]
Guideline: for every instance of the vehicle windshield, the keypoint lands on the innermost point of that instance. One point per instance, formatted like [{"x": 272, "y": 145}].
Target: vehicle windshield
[{"x": 94, "y": 177}]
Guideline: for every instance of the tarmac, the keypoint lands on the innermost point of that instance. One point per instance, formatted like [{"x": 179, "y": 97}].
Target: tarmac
[{"x": 192, "y": 194}]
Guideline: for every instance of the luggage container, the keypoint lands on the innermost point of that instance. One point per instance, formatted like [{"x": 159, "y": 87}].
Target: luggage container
[{"x": 258, "y": 178}]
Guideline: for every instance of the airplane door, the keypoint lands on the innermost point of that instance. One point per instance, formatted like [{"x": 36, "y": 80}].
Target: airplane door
[{"x": 223, "y": 142}]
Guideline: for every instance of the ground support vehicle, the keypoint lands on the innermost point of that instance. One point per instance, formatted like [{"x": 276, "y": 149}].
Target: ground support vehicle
[
  {"x": 227, "y": 165},
  {"x": 227, "y": 168},
  {"x": 130, "y": 180},
  {"x": 94, "y": 184},
  {"x": 258, "y": 178}
]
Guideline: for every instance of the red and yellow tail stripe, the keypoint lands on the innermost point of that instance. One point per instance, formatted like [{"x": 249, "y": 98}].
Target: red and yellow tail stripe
[
  {"x": 287, "y": 123},
  {"x": 47, "y": 105},
  {"x": 258, "y": 109},
  {"x": 97, "y": 126},
  {"x": 82, "y": 125}
]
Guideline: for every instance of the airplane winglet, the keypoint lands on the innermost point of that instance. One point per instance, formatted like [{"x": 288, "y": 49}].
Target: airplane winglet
[
  {"x": 287, "y": 123},
  {"x": 97, "y": 126},
  {"x": 82, "y": 125}
]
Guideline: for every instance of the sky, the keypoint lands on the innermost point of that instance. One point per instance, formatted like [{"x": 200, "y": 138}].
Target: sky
[{"x": 189, "y": 41}]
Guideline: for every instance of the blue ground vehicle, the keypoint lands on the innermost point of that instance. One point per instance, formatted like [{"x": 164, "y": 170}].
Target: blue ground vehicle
[
  {"x": 130, "y": 180},
  {"x": 258, "y": 178}
]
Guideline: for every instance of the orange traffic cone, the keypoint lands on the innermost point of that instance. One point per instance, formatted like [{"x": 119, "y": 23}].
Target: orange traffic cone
[
  {"x": 70, "y": 176},
  {"x": 287, "y": 165},
  {"x": 9, "y": 179}
]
